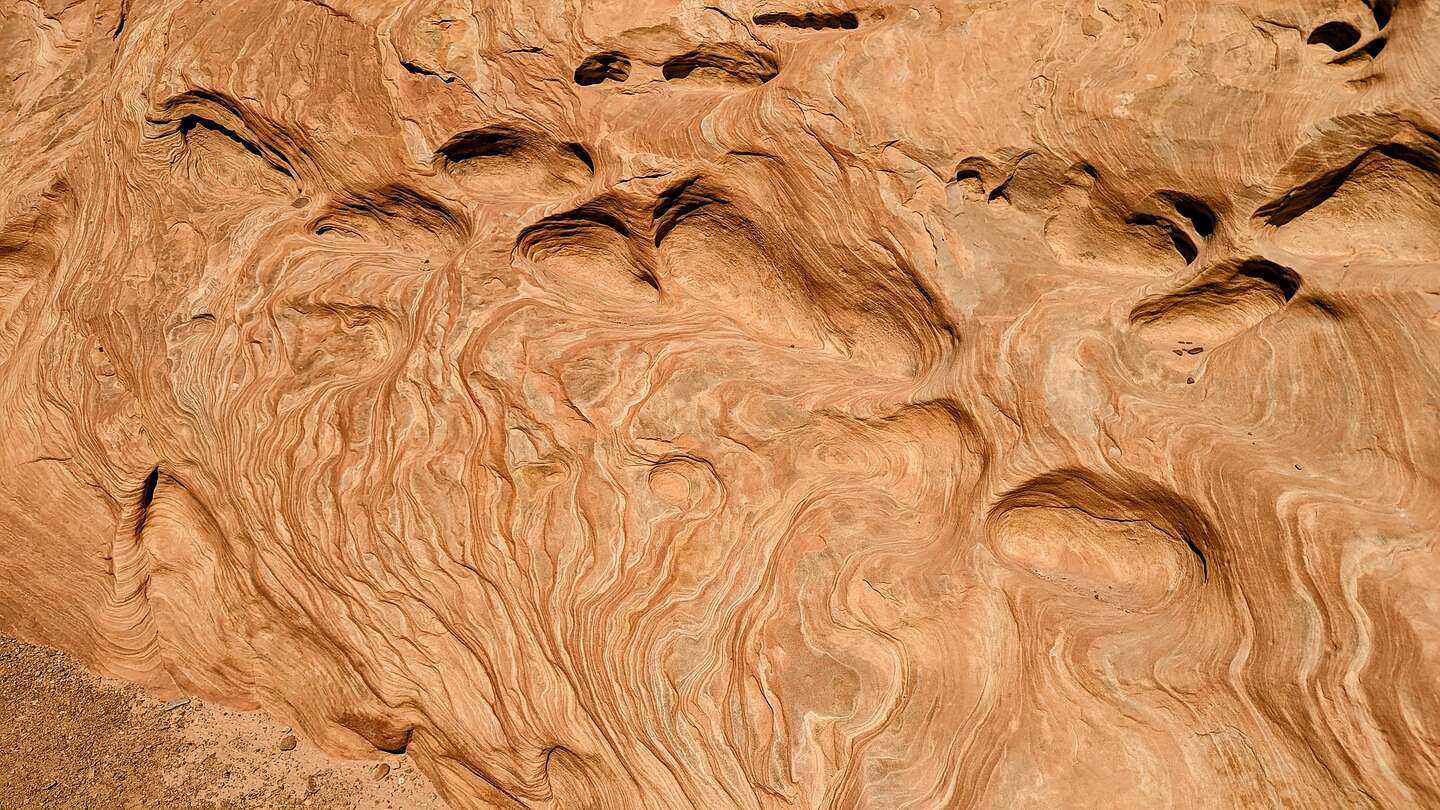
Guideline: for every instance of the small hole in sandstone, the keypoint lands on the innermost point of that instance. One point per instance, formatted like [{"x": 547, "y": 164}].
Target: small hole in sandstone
[
  {"x": 147, "y": 495},
  {"x": 810, "y": 20},
  {"x": 1337, "y": 36},
  {"x": 1198, "y": 213},
  {"x": 970, "y": 182},
  {"x": 483, "y": 143},
  {"x": 1184, "y": 246},
  {"x": 602, "y": 67},
  {"x": 734, "y": 68},
  {"x": 1383, "y": 11}
]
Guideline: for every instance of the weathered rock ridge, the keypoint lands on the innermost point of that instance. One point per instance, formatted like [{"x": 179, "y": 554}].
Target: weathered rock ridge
[{"x": 780, "y": 404}]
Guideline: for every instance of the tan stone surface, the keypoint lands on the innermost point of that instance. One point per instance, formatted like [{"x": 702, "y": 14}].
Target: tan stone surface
[
  {"x": 662, "y": 405},
  {"x": 72, "y": 741}
]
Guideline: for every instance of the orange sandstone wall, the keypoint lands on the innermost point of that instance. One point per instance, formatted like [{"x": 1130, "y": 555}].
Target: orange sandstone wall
[{"x": 633, "y": 404}]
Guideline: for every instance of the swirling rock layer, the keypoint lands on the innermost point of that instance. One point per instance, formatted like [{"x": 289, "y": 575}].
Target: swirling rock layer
[{"x": 776, "y": 404}]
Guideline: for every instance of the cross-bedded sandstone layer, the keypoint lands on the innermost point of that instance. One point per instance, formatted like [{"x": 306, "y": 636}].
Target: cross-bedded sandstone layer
[{"x": 659, "y": 405}]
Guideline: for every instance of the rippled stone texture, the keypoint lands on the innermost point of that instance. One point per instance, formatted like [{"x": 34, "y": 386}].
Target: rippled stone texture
[{"x": 661, "y": 405}]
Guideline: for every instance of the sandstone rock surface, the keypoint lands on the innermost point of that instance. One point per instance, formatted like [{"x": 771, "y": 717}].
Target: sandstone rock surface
[{"x": 636, "y": 404}]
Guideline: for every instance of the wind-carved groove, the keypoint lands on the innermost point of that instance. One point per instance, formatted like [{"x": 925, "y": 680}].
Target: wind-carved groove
[
  {"x": 512, "y": 162},
  {"x": 1386, "y": 201},
  {"x": 1364, "y": 53},
  {"x": 721, "y": 65},
  {"x": 400, "y": 745},
  {"x": 680, "y": 201},
  {"x": 975, "y": 166},
  {"x": 810, "y": 20},
  {"x": 393, "y": 208},
  {"x": 1184, "y": 245},
  {"x": 581, "y": 154},
  {"x": 1222, "y": 303},
  {"x": 562, "y": 765},
  {"x": 1126, "y": 541},
  {"x": 591, "y": 247},
  {"x": 30, "y": 245},
  {"x": 480, "y": 143},
  {"x": 570, "y": 225},
  {"x": 603, "y": 67},
  {"x": 384, "y": 734},
  {"x": 1166, "y": 210},
  {"x": 1270, "y": 276},
  {"x": 418, "y": 69},
  {"x": 147, "y": 497},
  {"x": 120, "y": 23},
  {"x": 190, "y": 123},
  {"x": 1303, "y": 198},
  {"x": 711, "y": 249},
  {"x": 972, "y": 174},
  {"x": 208, "y": 122}
]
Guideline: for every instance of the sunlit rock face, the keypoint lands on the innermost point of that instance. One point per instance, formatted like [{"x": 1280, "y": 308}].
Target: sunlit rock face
[{"x": 635, "y": 404}]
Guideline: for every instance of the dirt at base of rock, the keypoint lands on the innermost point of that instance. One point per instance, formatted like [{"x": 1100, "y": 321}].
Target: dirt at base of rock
[{"x": 69, "y": 739}]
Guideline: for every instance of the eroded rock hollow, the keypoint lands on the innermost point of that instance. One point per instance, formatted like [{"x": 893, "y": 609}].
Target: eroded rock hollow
[{"x": 637, "y": 404}]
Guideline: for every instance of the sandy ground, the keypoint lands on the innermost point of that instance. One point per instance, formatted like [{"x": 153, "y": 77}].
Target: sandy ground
[{"x": 69, "y": 739}]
